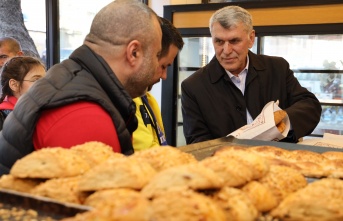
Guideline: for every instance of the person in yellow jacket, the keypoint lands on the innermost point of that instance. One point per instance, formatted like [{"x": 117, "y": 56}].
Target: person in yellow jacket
[{"x": 150, "y": 131}]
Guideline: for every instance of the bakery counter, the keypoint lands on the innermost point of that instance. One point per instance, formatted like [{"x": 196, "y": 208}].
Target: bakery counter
[{"x": 220, "y": 180}]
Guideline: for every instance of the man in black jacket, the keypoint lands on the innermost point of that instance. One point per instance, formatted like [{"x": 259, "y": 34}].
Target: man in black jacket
[
  {"x": 233, "y": 88},
  {"x": 88, "y": 97}
]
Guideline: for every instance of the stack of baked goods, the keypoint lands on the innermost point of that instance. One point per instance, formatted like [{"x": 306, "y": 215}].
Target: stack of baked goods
[
  {"x": 164, "y": 183},
  {"x": 309, "y": 163}
]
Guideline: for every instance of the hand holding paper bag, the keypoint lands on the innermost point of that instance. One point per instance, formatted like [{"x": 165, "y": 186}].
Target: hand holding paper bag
[{"x": 271, "y": 124}]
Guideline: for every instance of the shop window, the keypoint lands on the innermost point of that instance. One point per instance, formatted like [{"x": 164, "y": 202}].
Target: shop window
[
  {"x": 35, "y": 22},
  {"x": 75, "y": 20}
]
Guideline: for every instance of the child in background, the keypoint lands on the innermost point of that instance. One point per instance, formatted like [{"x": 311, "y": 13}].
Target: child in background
[{"x": 17, "y": 76}]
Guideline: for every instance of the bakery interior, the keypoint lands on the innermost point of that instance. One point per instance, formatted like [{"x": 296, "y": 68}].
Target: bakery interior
[{"x": 284, "y": 181}]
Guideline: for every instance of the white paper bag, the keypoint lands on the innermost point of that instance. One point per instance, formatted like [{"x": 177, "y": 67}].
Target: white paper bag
[{"x": 263, "y": 127}]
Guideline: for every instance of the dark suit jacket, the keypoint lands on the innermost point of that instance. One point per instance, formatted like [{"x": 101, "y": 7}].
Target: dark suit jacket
[{"x": 213, "y": 107}]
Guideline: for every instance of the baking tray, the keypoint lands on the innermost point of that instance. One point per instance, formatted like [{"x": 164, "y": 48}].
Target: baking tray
[
  {"x": 46, "y": 208},
  {"x": 205, "y": 149}
]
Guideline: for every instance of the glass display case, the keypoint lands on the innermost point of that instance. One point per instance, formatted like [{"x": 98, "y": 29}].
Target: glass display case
[{"x": 314, "y": 52}]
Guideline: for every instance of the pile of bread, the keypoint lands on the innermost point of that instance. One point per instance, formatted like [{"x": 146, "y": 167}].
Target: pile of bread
[{"x": 164, "y": 183}]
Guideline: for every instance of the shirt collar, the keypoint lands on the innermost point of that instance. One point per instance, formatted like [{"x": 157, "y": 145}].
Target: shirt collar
[{"x": 243, "y": 72}]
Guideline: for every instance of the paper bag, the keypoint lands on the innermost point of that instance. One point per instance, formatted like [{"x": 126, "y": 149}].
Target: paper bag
[
  {"x": 328, "y": 140},
  {"x": 263, "y": 127}
]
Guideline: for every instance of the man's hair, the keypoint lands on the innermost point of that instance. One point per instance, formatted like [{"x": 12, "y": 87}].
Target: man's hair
[
  {"x": 231, "y": 16},
  {"x": 122, "y": 21},
  {"x": 170, "y": 36},
  {"x": 12, "y": 43}
]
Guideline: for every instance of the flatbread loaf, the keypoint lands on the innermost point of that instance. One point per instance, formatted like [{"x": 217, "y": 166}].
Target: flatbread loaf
[
  {"x": 309, "y": 163},
  {"x": 117, "y": 205},
  {"x": 163, "y": 157},
  {"x": 190, "y": 176},
  {"x": 18, "y": 184},
  {"x": 261, "y": 196},
  {"x": 308, "y": 156},
  {"x": 186, "y": 205},
  {"x": 257, "y": 164},
  {"x": 312, "y": 164},
  {"x": 282, "y": 181},
  {"x": 236, "y": 204},
  {"x": 319, "y": 201},
  {"x": 333, "y": 155},
  {"x": 117, "y": 172},
  {"x": 233, "y": 172},
  {"x": 94, "y": 152},
  {"x": 50, "y": 163},
  {"x": 119, "y": 196},
  {"x": 62, "y": 189},
  {"x": 271, "y": 152}
]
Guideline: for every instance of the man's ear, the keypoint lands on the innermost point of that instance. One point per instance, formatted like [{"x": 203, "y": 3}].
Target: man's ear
[
  {"x": 134, "y": 52},
  {"x": 251, "y": 38},
  {"x": 20, "y": 53},
  {"x": 14, "y": 85}
]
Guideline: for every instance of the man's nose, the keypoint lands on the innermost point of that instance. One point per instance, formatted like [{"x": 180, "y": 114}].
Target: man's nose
[
  {"x": 164, "y": 74},
  {"x": 227, "y": 48}
]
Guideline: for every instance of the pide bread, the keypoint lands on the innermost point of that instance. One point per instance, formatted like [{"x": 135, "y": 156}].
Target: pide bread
[
  {"x": 94, "y": 152},
  {"x": 233, "y": 172},
  {"x": 319, "y": 201},
  {"x": 186, "y": 205},
  {"x": 163, "y": 157},
  {"x": 117, "y": 172},
  {"x": 309, "y": 163},
  {"x": 236, "y": 204},
  {"x": 62, "y": 189},
  {"x": 271, "y": 152},
  {"x": 333, "y": 155},
  {"x": 282, "y": 181},
  {"x": 257, "y": 164},
  {"x": 335, "y": 169},
  {"x": 49, "y": 163},
  {"x": 117, "y": 205},
  {"x": 261, "y": 196},
  {"x": 121, "y": 204},
  {"x": 18, "y": 184},
  {"x": 112, "y": 196},
  {"x": 191, "y": 176},
  {"x": 308, "y": 156}
]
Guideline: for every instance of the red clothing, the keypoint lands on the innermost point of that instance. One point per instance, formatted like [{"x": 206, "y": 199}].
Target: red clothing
[
  {"x": 74, "y": 124},
  {"x": 8, "y": 103}
]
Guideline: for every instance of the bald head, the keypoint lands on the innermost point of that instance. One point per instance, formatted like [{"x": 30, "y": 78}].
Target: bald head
[
  {"x": 9, "y": 47},
  {"x": 127, "y": 35},
  {"x": 122, "y": 21},
  {"x": 12, "y": 43}
]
